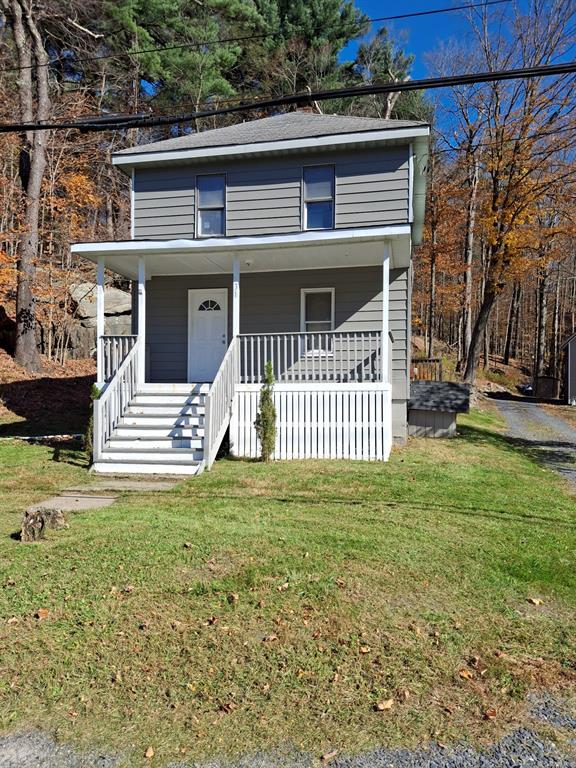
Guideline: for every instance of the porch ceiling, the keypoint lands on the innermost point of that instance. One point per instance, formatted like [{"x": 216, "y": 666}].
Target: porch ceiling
[{"x": 305, "y": 250}]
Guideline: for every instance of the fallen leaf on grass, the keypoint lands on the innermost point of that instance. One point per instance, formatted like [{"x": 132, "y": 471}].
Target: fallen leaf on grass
[
  {"x": 128, "y": 589},
  {"x": 327, "y": 756},
  {"x": 42, "y": 613},
  {"x": 269, "y": 638},
  {"x": 465, "y": 674},
  {"x": 365, "y": 649},
  {"x": 283, "y": 587},
  {"x": 383, "y": 706},
  {"x": 13, "y": 620},
  {"x": 233, "y": 598},
  {"x": 149, "y": 754},
  {"x": 490, "y": 714},
  {"x": 535, "y": 601}
]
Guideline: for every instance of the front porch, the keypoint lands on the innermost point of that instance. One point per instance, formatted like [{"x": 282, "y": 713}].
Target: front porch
[{"x": 211, "y": 314}]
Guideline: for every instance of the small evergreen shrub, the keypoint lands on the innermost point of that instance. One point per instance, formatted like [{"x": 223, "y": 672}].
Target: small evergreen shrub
[{"x": 265, "y": 423}]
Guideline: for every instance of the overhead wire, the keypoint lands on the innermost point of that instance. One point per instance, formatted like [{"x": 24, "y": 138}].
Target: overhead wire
[{"x": 103, "y": 123}]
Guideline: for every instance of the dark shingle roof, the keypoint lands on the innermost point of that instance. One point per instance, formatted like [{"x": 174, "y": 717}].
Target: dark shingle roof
[
  {"x": 293, "y": 125},
  {"x": 439, "y": 396}
]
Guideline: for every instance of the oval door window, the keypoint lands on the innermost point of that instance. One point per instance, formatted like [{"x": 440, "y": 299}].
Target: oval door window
[{"x": 209, "y": 306}]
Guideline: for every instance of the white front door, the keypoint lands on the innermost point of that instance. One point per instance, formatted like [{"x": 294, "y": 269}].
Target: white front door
[{"x": 207, "y": 332}]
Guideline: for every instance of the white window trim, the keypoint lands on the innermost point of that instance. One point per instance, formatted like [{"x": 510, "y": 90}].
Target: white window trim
[
  {"x": 331, "y": 199},
  {"x": 303, "y": 293},
  {"x": 199, "y": 236}
]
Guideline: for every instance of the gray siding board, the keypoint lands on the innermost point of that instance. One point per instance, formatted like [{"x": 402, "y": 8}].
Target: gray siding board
[
  {"x": 274, "y": 213},
  {"x": 371, "y": 189}
]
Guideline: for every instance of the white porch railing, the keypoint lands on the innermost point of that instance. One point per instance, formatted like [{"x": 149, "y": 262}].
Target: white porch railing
[
  {"x": 219, "y": 401},
  {"x": 335, "y": 356},
  {"x": 115, "y": 398},
  {"x": 114, "y": 350}
]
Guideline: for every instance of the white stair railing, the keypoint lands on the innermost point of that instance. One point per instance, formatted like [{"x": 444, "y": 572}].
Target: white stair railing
[
  {"x": 219, "y": 401},
  {"x": 114, "y": 399},
  {"x": 327, "y": 356},
  {"x": 114, "y": 350}
]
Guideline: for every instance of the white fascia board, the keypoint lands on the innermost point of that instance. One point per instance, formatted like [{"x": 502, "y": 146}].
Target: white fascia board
[
  {"x": 334, "y": 140},
  {"x": 142, "y": 247}
]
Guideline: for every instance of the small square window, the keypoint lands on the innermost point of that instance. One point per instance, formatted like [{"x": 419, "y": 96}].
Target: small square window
[
  {"x": 319, "y": 215},
  {"x": 319, "y": 197},
  {"x": 211, "y": 193},
  {"x": 210, "y": 222}
]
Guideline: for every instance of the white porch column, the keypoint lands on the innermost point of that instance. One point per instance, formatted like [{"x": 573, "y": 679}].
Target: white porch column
[
  {"x": 100, "y": 321},
  {"x": 386, "y": 314},
  {"x": 235, "y": 296},
  {"x": 142, "y": 319}
]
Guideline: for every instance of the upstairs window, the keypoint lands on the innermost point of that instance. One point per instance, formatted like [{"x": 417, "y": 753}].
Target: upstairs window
[
  {"x": 211, "y": 205},
  {"x": 319, "y": 197}
]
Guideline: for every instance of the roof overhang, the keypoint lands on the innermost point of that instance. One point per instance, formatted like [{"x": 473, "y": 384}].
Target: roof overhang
[
  {"x": 331, "y": 141},
  {"x": 304, "y": 250}
]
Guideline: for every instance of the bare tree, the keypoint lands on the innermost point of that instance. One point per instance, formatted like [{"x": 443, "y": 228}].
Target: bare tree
[{"x": 34, "y": 106}]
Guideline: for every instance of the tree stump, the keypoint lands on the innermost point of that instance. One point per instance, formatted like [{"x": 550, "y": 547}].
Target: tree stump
[{"x": 37, "y": 519}]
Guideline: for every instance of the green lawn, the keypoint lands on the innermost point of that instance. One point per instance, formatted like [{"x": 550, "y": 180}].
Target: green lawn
[{"x": 263, "y": 606}]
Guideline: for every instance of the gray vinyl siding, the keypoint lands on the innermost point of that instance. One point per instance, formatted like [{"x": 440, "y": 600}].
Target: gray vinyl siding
[
  {"x": 270, "y": 303},
  {"x": 264, "y": 196},
  {"x": 164, "y": 203}
]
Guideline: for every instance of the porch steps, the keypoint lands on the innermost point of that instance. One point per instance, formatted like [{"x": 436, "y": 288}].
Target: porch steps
[{"x": 161, "y": 432}]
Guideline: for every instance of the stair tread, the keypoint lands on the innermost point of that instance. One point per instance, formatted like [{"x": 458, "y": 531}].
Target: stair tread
[
  {"x": 157, "y": 450},
  {"x": 194, "y": 462}
]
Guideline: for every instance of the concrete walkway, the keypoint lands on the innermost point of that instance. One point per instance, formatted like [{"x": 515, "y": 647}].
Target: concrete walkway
[
  {"x": 547, "y": 437},
  {"x": 102, "y": 492}
]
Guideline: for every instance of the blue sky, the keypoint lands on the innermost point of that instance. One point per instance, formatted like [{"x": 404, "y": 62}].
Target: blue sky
[{"x": 420, "y": 35}]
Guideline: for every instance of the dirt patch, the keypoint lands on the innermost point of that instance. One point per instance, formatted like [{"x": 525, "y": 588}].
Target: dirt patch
[{"x": 55, "y": 401}]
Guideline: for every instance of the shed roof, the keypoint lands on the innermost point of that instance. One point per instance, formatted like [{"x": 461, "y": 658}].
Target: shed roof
[
  {"x": 448, "y": 396},
  {"x": 292, "y": 125}
]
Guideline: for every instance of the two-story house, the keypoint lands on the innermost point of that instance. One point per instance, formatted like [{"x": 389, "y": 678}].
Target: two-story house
[{"x": 285, "y": 240}]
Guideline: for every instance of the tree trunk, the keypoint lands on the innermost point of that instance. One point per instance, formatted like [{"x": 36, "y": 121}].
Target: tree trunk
[
  {"x": 32, "y": 58},
  {"x": 480, "y": 328},
  {"x": 512, "y": 314},
  {"x": 554, "y": 366},
  {"x": 431, "y": 305},
  {"x": 540, "y": 357},
  {"x": 468, "y": 257}
]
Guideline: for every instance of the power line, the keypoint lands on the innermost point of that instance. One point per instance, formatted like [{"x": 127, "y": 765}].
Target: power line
[
  {"x": 511, "y": 139},
  {"x": 124, "y": 122},
  {"x": 241, "y": 38}
]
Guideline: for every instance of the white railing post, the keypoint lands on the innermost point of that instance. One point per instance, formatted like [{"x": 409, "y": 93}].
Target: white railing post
[
  {"x": 385, "y": 341},
  {"x": 100, "y": 373},
  {"x": 142, "y": 319},
  {"x": 235, "y": 296}
]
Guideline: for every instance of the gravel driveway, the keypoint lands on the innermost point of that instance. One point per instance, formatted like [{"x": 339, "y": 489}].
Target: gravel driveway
[
  {"x": 523, "y": 748},
  {"x": 548, "y": 437}
]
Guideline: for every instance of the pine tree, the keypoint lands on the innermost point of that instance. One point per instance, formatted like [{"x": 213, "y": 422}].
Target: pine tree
[{"x": 265, "y": 423}]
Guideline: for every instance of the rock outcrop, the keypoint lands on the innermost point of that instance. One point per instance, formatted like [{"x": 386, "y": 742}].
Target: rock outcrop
[{"x": 117, "y": 314}]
